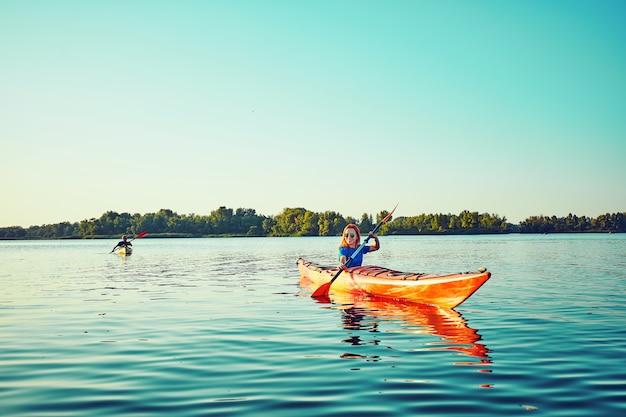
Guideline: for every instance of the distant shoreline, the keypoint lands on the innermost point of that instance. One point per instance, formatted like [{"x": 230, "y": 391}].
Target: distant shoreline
[
  {"x": 245, "y": 222},
  {"x": 226, "y": 236}
]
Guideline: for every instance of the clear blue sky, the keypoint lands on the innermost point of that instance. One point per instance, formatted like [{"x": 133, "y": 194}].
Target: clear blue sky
[{"x": 515, "y": 108}]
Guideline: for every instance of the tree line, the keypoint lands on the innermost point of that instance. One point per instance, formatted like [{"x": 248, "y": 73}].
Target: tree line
[
  {"x": 301, "y": 222},
  {"x": 615, "y": 223}
]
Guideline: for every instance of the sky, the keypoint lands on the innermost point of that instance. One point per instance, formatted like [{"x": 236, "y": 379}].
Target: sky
[{"x": 509, "y": 108}]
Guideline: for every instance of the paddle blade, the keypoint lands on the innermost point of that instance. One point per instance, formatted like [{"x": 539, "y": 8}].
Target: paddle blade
[
  {"x": 140, "y": 235},
  {"x": 386, "y": 219},
  {"x": 322, "y": 300},
  {"x": 322, "y": 291}
]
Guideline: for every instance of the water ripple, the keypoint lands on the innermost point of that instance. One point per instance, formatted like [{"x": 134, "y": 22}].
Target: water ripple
[{"x": 218, "y": 326}]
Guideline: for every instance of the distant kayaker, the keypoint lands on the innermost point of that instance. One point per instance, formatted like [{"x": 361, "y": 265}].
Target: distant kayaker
[
  {"x": 350, "y": 241},
  {"x": 122, "y": 243}
]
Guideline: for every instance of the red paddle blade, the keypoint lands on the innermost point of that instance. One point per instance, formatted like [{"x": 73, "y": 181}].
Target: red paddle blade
[
  {"x": 322, "y": 291},
  {"x": 322, "y": 300},
  {"x": 389, "y": 215},
  {"x": 142, "y": 234}
]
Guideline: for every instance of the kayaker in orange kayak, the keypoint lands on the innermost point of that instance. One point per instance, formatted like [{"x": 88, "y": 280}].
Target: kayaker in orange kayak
[{"x": 350, "y": 241}]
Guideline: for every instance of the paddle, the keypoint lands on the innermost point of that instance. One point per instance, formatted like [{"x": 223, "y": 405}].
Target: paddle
[
  {"x": 139, "y": 236},
  {"x": 322, "y": 291}
]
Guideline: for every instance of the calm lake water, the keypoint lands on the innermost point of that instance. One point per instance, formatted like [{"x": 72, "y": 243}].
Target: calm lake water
[{"x": 193, "y": 327}]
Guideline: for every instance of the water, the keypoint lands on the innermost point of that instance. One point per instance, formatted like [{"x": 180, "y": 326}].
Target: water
[{"x": 194, "y": 327}]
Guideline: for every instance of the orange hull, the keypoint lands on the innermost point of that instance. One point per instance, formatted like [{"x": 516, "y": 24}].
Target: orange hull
[{"x": 441, "y": 290}]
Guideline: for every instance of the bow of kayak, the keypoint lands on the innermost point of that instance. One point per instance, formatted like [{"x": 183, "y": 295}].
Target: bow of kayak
[{"x": 125, "y": 251}]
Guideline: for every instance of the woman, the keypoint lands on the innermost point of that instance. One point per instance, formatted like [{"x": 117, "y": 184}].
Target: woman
[{"x": 350, "y": 241}]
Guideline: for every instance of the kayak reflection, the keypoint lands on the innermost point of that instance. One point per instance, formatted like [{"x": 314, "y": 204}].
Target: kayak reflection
[{"x": 370, "y": 313}]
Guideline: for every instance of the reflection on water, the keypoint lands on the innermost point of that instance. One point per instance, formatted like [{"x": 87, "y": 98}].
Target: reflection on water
[{"x": 362, "y": 313}]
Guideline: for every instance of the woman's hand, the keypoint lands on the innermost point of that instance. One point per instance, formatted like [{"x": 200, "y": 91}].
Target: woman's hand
[{"x": 376, "y": 244}]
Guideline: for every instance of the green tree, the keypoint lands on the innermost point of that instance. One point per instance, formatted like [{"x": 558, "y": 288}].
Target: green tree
[
  {"x": 162, "y": 220},
  {"x": 247, "y": 221},
  {"x": 295, "y": 222},
  {"x": 330, "y": 223},
  {"x": 469, "y": 220},
  {"x": 435, "y": 226},
  {"x": 365, "y": 224},
  {"x": 12, "y": 232},
  {"x": 87, "y": 228},
  {"x": 268, "y": 225},
  {"x": 140, "y": 223},
  {"x": 220, "y": 220}
]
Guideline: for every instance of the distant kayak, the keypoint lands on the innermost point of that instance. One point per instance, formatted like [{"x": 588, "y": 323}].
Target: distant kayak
[
  {"x": 442, "y": 290},
  {"x": 125, "y": 251}
]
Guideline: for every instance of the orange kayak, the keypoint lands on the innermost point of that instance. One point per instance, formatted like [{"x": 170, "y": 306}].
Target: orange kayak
[{"x": 441, "y": 290}]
